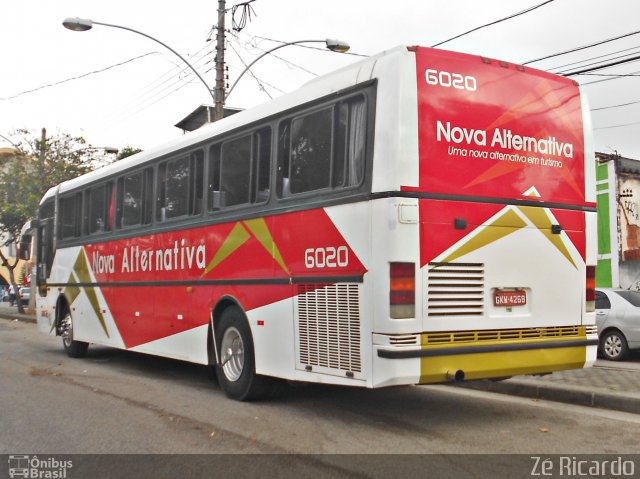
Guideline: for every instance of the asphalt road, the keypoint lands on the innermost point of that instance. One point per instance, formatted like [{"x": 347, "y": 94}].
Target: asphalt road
[{"x": 118, "y": 402}]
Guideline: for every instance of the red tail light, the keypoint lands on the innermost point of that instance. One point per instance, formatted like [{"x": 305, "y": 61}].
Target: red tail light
[
  {"x": 402, "y": 290},
  {"x": 590, "y": 293}
]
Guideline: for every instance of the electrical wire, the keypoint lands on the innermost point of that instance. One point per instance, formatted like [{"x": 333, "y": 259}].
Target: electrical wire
[
  {"x": 517, "y": 14},
  {"x": 78, "y": 77},
  {"x": 628, "y": 56},
  {"x": 615, "y": 106},
  {"x": 557, "y": 67},
  {"x": 245, "y": 17},
  {"x": 601, "y": 67},
  {"x": 617, "y": 126},
  {"x": 583, "y": 47}
]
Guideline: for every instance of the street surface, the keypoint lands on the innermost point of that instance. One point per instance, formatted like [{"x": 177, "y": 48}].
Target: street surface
[{"x": 121, "y": 402}]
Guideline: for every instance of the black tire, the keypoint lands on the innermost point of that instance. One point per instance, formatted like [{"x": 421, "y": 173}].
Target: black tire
[
  {"x": 613, "y": 346},
  {"x": 236, "y": 372},
  {"x": 74, "y": 349}
]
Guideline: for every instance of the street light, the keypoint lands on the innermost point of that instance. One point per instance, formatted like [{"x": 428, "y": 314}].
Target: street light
[
  {"x": 84, "y": 24},
  {"x": 333, "y": 45}
]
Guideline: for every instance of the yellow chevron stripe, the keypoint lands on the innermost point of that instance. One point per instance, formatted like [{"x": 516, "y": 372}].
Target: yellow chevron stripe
[
  {"x": 236, "y": 238},
  {"x": 261, "y": 231}
]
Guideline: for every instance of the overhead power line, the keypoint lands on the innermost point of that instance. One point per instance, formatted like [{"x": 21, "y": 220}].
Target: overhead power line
[
  {"x": 617, "y": 126},
  {"x": 33, "y": 90},
  {"x": 583, "y": 47},
  {"x": 527, "y": 10},
  {"x": 558, "y": 67},
  {"x": 615, "y": 106},
  {"x": 601, "y": 67}
]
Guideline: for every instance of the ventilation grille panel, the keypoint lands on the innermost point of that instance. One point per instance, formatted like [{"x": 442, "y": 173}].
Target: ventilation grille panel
[
  {"x": 455, "y": 289},
  {"x": 329, "y": 327}
]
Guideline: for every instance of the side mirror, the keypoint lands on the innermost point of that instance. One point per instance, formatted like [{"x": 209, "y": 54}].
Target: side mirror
[{"x": 24, "y": 250}]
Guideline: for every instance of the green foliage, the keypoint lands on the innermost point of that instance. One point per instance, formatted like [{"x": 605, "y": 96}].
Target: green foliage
[
  {"x": 32, "y": 168},
  {"x": 127, "y": 151}
]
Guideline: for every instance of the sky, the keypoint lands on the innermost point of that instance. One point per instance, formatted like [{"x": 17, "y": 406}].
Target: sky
[{"x": 116, "y": 88}]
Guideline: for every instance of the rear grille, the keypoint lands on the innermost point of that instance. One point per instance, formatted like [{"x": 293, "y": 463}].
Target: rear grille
[
  {"x": 329, "y": 327},
  {"x": 453, "y": 337},
  {"x": 455, "y": 289},
  {"x": 404, "y": 340}
]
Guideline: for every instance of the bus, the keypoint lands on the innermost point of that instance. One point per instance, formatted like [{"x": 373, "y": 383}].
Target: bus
[{"x": 418, "y": 217}]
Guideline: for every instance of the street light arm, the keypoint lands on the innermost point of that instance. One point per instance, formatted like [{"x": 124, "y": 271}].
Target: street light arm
[
  {"x": 81, "y": 24},
  {"x": 334, "y": 45}
]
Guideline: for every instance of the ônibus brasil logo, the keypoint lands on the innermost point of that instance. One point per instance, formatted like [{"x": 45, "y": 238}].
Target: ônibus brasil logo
[{"x": 38, "y": 468}]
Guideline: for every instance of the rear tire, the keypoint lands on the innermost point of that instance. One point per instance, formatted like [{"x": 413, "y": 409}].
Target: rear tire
[
  {"x": 74, "y": 349},
  {"x": 613, "y": 346},
  {"x": 236, "y": 371}
]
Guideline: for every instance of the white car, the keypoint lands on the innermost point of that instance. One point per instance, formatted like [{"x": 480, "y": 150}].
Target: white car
[{"x": 618, "y": 320}]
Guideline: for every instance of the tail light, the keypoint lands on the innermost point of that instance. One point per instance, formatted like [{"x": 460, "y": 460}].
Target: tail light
[
  {"x": 402, "y": 290},
  {"x": 590, "y": 293}
]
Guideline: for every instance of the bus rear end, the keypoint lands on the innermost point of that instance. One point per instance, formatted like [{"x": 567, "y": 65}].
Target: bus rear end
[{"x": 491, "y": 260}]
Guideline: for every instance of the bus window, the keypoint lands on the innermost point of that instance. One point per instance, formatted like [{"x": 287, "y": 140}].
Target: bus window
[
  {"x": 349, "y": 159},
  {"x": 216, "y": 201},
  {"x": 310, "y": 151},
  {"x": 323, "y": 149},
  {"x": 262, "y": 152},
  {"x": 173, "y": 189},
  {"x": 70, "y": 208},
  {"x": 97, "y": 201},
  {"x": 197, "y": 187},
  {"x": 131, "y": 191},
  {"x": 235, "y": 172}
]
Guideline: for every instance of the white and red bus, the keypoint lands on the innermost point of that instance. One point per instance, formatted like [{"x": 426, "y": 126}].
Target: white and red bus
[{"x": 417, "y": 217}]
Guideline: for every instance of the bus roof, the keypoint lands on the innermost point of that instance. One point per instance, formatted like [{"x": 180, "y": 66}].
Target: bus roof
[{"x": 324, "y": 85}]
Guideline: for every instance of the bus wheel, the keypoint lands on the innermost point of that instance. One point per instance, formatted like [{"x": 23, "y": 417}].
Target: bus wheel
[
  {"x": 236, "y": 370},
  {"x": 74, "y": 349}
]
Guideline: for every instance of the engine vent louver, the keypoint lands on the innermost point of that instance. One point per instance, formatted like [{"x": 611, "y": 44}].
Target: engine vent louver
[
  {"x": 455, "y": 289},
  {"x": 329, "y": 328}
]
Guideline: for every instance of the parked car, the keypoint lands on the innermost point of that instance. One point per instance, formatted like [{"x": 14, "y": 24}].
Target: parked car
[
  {"x": 618, "y": 320},
  {"x": 24, "y": 294}
]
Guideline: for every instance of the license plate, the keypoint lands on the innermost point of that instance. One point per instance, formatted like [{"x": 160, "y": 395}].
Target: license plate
[{"x": 510, "y": 298}]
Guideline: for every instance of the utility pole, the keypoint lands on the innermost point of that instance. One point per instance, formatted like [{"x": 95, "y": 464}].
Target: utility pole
[
  {"x": 41, "y": 157},
  {"x": 219, "y": 92}
]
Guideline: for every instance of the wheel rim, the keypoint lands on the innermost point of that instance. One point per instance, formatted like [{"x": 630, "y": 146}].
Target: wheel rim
[
  {"x": 612, "y": 346},
  {"x": 67, "y": 330},
  {"x": 232, "y": 354}
]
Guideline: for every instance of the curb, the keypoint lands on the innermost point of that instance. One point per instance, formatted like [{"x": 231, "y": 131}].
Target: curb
[
  {"x": 577, "y": 395},
  {"x": 20, "y": 317}
]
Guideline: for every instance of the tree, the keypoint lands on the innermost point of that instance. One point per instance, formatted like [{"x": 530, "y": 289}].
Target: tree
[
  {"x": 127, "y": 151},
  {"x": 26, "y": 173}
]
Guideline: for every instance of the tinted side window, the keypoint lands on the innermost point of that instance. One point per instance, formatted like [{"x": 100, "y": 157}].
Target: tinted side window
[
  {"x": 602, "y": 302},
  {"x": 235, "y": 172},
  {"x": 323, "y": 149},
  {"x": 134, "y": 199},
  {"x": 70, "y": 214},
  {"x": 310, "y": 152},
  {"x": 180, "y": 188},
  {"x": 98, "y": 209}
]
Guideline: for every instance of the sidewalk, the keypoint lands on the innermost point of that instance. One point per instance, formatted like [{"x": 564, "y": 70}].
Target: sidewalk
[
  {"x": 607, "y": 385},
  {"x": 12, "y": 313}
]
